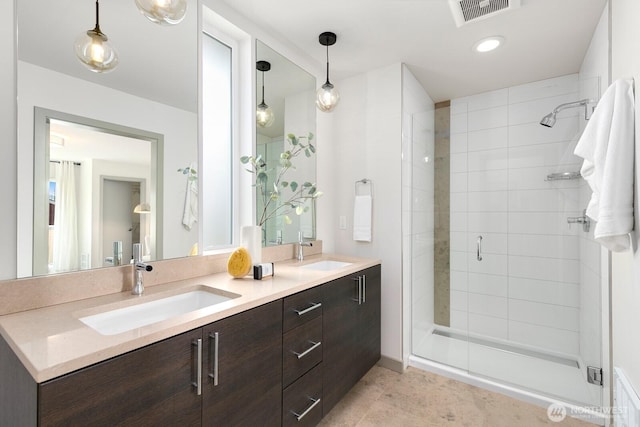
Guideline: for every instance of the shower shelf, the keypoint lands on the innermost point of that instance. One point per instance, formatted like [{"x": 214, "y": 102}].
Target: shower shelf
[{"x": 562, "y": 176}]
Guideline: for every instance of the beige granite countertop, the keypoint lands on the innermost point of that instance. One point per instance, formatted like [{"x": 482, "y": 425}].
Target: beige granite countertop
[{"x": 52, "y": 341}]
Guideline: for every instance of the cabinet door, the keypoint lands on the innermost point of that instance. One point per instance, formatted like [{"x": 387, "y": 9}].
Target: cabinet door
[
  {"x": 249, "y": 369},
  {"x": 340, "y": 300},
  {"x": 368, "y": 322},
  {"x": 148, "y": 386}
]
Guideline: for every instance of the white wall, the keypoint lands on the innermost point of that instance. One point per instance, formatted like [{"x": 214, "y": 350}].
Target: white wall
[
  {"x": 526, "y": 288},
  {"x": 625, "y": 287},
  {"x": 44, "y": 88},
  {"x": 366, "y": 143},
  {"x": 8, "y": 216},
  {"x": 418, "y": 160}
]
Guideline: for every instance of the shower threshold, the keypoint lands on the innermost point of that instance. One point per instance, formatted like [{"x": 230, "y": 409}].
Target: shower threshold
[
  {"x": 508, "y": 348},
  {"x": 522, "y": 367}
]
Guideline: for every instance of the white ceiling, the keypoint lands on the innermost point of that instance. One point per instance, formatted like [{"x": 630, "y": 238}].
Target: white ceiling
[{"x": 544, "y": 38}]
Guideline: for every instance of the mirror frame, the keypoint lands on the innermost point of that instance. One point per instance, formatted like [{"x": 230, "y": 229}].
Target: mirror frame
[{"x": 41, "y": 172}]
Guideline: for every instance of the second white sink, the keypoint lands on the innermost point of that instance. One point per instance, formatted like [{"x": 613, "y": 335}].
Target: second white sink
[
  {"x": 326, "y": 265},
  {"x": 124, "y": 319}
]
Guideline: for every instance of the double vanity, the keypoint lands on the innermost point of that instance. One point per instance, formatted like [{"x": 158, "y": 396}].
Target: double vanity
[{"x": 201, "y": 351}]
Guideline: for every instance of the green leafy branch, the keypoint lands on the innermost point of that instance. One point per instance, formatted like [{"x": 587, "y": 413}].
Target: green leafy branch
[
  {"x": 298, "y": 193},
  {"x": 191, "y": 172}
]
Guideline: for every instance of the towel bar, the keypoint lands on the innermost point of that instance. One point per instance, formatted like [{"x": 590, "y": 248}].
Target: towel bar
[{"x": 364, "y": 182}]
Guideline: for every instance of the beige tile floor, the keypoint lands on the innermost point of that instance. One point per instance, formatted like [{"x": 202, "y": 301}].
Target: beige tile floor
[{"x": 422, "y": 399}]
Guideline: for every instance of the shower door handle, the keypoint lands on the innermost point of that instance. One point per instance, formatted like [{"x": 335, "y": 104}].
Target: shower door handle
[{"x": 479, "y": 248}]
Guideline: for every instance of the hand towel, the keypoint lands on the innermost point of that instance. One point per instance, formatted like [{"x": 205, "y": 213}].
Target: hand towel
[
  {"x": 362, "y": 218},
  {"x": 607, "y": 147},
  {"x": 190, "y": 214}
]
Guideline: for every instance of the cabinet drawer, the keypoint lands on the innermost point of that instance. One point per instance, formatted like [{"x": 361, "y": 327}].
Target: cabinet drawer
[
  {"x": 301, "y": 350},
  {"x": 301, "y": 401},
  {"x": 302, "y": 307}
]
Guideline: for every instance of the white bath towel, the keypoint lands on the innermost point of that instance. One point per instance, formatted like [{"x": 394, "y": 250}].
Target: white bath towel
[
  {"x": 190, "y": 214},
  {"x": 607, "y": 147},
  {"x": 362, "y": 212}
]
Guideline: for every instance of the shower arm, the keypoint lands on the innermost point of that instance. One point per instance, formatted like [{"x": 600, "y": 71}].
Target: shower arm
[{"x": 575, "y": 104}]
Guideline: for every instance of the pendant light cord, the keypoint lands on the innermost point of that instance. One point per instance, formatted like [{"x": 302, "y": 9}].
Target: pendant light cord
[
  {"x": 327, "y": 82},
  {"x": 97, "y": 29},
  {"x": 262, "y": 88}
]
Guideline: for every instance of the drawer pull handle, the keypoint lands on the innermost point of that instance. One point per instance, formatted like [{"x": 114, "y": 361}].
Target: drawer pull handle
[
  {"x": 314, "y": 305},
  {"x": 364, "y": 288},
  {"x": 309, "y": 350},
  {"x": 309, "y": 409},
  {"x": 214, "y": 360},
  {"x": 198, "y": 382},
  {"x": 359, "y": 280}
]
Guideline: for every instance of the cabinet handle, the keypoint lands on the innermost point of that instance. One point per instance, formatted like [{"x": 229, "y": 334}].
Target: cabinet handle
[
  {"x": 198, "y": 382},
  {"x": 364, "y": 288},
  {"x": 479, "y": 248},
  {"x": 214, "y": 360},
  {"x": 359, "y": 299},
  {"x": 306, "y": 411},
  {"x": 309, "y": 350},
  {"x": 314, "y": 305}
]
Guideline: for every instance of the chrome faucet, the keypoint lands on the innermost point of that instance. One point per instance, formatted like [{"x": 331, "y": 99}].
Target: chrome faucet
[
  {"x": 138, "y": 268},
  {"x": 302, "y": 244}
]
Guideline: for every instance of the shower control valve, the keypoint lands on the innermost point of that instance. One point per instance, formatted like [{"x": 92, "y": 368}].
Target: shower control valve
[{"x": 584, "y": 220}]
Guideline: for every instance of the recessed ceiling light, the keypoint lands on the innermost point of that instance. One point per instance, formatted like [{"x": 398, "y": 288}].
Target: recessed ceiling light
[{"x": 488, "y": 44}]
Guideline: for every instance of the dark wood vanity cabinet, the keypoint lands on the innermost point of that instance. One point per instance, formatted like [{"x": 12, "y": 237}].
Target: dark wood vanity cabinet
[
  {"x": 157, "y": 384},
  {"x": 351, "y": 325},
  {"x": 247, "y": 389},
  {"x": 148, "y": 386},
  {"x": 286, "y": 363},
  {"x": 302, "y": 345}
]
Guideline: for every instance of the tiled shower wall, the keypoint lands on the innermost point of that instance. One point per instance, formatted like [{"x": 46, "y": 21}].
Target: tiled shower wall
[{"x": 526, "y": 287}]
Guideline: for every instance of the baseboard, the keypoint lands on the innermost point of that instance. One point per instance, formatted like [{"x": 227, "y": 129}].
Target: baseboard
[{"x": 393, "y": 364}]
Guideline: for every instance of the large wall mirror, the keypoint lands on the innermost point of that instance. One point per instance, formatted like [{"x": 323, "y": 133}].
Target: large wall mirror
[
  {"x": 290, "y": 92},
  {"x": 135, "y": 127}
]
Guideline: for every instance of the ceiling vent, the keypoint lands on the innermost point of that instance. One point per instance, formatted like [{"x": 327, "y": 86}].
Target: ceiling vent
[{"x": 466, "y": 11}]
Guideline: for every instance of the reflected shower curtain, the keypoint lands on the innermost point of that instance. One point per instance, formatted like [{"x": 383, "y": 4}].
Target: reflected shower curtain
[{"x": 65, "y": 241}]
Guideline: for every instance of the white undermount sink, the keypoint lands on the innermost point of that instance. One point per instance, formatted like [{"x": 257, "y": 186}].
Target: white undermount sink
[
  {"x": 326, "y": 265},
  {"x": 124, "y": 319}
]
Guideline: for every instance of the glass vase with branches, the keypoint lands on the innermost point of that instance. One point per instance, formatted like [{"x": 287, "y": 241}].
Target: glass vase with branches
[{"x": 282, "y": 197}]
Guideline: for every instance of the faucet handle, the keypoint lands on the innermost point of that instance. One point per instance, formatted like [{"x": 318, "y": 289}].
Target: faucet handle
[{"x": 143, "y": 266}]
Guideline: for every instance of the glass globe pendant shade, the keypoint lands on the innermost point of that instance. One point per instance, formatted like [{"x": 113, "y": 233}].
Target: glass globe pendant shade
[
  {"x": 163, "y": 12},
  {"x": 264, "y": 115},
  {"x": 95, "y": 52},
  {"x": 327, "y": 97}
]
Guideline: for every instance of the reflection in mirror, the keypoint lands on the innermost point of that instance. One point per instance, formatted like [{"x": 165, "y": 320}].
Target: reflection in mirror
[
  {"x": 290, "y": 92},
  {"x": 91, "y": 181},
  {"x": 154, "y": 89}
]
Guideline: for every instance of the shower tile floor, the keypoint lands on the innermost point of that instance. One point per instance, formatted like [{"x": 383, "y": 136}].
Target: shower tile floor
[
  {"x": 422, "y": 399},
  {"x": 532, "y": 373}
]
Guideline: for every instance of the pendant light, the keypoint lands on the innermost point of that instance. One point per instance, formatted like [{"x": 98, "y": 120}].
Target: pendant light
[
  {"x": 163, "y": 12},
  {"x": 327, "y": 96},
  {"x": 264, "y": 113},
  {"x": 94, "y": 50}
]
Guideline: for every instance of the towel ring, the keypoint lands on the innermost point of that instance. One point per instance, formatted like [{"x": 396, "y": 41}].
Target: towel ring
[{"x": 364, "y": 182}]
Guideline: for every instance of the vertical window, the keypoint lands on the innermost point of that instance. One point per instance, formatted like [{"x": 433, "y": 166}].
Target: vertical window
[{"x": 217, "y": 142}]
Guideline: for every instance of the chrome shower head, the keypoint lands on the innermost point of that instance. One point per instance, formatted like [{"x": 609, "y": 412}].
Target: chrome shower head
[{"x": 549, "y": 120}]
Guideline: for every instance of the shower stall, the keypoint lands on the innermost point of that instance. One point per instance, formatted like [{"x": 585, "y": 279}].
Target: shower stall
[{"x": 505, "y": 276}]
